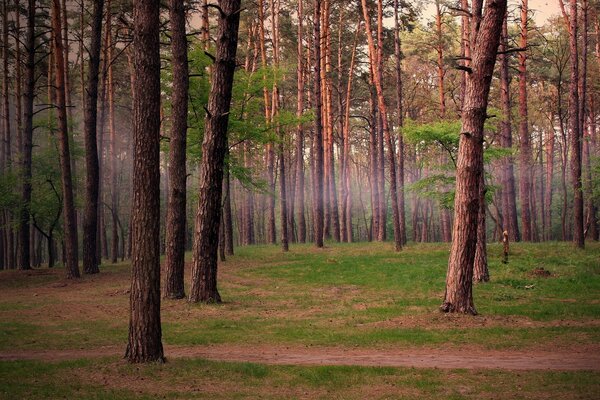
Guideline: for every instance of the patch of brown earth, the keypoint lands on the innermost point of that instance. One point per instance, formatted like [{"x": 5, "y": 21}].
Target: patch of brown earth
[{"x": 573, "y": 360}]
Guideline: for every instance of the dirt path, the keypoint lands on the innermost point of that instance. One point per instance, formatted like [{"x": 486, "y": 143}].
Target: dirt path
[{"x": 418, "y": 358}]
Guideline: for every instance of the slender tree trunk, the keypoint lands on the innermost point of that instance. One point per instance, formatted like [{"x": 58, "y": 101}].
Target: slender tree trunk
[
  {"x": 574, "y": 127},
  {"x": 484, "y": 37},
  {"x": 70, "y": 225},
  {"x": 145, "y": 334},
  {"x": 90, "y": 216},
  {"x": 214, "y": 148},
  {"x": 480, "y": 269},
  {"x": 377, "y": 67},
  {"x": 26, "y": 145},
  {"x": 549, "y": 151},
  {"x": 525, "y": 151},
  {"x": 113, "y": 152},
  {"x": 400, "y": 112},
  {"x": 318, "y": 134},
  {"x": 346, "y": 171},
  {"x": 176, "y": 209},
  {"x": 301, "y": 219}
]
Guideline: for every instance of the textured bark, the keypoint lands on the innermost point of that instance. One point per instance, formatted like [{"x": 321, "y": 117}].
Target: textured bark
[
  {"x": 480, "y": 267},
  {"x": 376, "y": 59},
  {"x": 176, "y": 208},
  {"x": 318, "y": 134},
  {"x": 92, "y": 183},
  {"x": 509, "y": 203},
  {"x": 214, "y": 148},
  {"x": 70, "y": 224},
  {"x": 525, "y": 141},
  {"x": 145, "y": 335},
  {"x": 574, "y": 128},
  {"x": 485, "y": 37}
]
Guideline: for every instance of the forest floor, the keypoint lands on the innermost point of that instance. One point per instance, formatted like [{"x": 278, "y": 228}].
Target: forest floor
[{"x": 348, "y": 321}]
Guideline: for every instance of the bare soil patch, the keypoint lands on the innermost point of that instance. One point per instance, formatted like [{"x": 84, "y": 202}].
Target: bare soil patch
[{"x": 575, "y": 359}]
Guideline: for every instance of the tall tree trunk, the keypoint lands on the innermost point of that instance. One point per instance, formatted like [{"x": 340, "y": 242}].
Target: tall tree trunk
[
  {"x": 400, "y": 112},
  {"x": 6, "y": 140},
  {"x": 92, "y": 184},
  {"x": 114, "y": 246},
  {"x": 70, "y": 225},
  {"x": 525, "y": 151},
  {"x": 377, "y": 67},
  {"x": 484, "y": 37},
  {"x": 301, "y": 220},
  {"x": 145, "y": 334},
  {"x": 176, "y": 208},
  {"x": 346, "y": 171},
  {"x": 574, "y": 128},
  {"x": 214, "y": 148},
  {"x": 318, "y": 134}
]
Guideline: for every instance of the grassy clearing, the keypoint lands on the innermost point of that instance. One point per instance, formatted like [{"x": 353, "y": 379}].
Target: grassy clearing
[
  {"x": 197, "y": 379},
  {"x": 359, "y": 295},
  {"x": 347, "y": 295}
]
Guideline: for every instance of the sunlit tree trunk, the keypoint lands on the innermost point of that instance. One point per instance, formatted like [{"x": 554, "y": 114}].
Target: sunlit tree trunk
[{"x": 300, "y": 217}]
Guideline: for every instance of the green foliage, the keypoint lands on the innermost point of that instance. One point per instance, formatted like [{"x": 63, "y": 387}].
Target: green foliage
[{"x": 431, "y": 187}]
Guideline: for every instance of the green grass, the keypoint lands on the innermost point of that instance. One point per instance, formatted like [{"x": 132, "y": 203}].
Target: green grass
[
  {"x": 199, "y": 379},
  {"x": 344, "y": 295}
]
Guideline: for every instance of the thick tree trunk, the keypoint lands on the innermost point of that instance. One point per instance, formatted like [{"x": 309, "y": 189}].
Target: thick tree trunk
[
  {"x": 574, "y": 128},
  {"x": 485, "y": 37},
  {"x": 145, "y": 334},
  {"x": 92, "y": 183},
  {"x": 214, "y": 148},
  {"x": 70, "y": 224},
  {"x": 176, "y": 208}
]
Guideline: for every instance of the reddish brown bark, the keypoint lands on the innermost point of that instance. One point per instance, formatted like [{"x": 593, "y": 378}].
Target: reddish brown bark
[
  {"x": 376, "y": 61},
  {"x": 318, "y": 134},
  {"x": 484, "y": 37}
]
